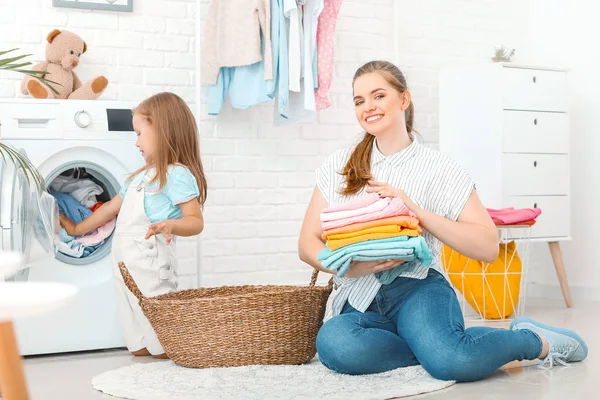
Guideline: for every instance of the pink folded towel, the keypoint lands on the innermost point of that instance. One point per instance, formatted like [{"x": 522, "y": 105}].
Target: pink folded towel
[
  {"x": 377, "y": 206},
  {"x": 510, "y": 215},
  {"x": 359, "y": 202},
  {"x": 395, "y": 207}
]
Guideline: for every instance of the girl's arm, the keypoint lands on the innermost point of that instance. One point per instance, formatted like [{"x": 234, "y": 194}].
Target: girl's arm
[
  {"x": 191, "y": 224},
  {"x": 101, "y": 216},
  {"x": 473, "y": 234}
]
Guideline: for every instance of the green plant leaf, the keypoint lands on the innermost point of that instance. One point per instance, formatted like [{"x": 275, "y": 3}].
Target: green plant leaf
[
  {"x": 31, "y": 71},
  {"x": 6, "y": 61},
  {"x": 7, "y": 51},
  {"x": 15, "y": 66}
]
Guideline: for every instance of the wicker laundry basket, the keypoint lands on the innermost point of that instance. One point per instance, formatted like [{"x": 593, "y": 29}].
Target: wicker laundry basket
[{"x": 236, "y": 325}]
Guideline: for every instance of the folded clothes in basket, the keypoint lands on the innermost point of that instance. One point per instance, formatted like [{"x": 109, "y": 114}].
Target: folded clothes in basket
[{"x": 512, "y": 216}]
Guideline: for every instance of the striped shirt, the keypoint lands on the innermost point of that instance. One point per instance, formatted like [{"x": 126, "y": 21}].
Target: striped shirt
[{"x": 431, "y": 179}]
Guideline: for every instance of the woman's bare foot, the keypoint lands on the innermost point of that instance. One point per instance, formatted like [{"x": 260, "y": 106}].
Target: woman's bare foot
[
  {"x": 162, "y": 356},
  {"x": 141, "y": 352}
]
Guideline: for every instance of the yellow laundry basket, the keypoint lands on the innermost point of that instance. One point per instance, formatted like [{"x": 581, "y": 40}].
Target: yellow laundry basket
[{"x": 492, "y": 289}]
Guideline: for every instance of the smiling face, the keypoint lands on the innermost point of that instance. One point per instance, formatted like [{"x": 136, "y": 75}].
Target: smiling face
[
  {"x": 379, "y": 106},
  {"x": 146, "y": 138}
]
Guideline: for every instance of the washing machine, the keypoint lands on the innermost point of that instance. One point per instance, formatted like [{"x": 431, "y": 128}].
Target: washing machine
[{"x": 91, "y": 139}]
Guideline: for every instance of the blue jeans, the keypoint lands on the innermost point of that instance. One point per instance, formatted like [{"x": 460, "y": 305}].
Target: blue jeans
[{"x": 413, "y": 322}]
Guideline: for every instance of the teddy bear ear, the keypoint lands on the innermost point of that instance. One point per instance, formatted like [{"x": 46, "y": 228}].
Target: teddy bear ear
[
  {"x": 84, "y": 48},
  {"x": 52, "y": 35}
]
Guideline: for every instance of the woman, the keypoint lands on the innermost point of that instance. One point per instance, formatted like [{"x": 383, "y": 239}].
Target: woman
[{"x": 416, "y": 319}]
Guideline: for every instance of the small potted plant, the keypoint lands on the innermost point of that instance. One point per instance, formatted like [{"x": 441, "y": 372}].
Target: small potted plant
[{"x": 502, "y": 54}]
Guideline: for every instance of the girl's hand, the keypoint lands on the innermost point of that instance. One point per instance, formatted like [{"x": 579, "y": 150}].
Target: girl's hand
[
  {"x": 69, "y": 226},
  {"x": 164, "y": 227},
  {"x": 361, "y": 268},
  {"x": 385, "y": 190}
]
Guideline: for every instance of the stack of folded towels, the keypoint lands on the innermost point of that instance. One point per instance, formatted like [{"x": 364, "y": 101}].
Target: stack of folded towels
[{"x": 371, "y": 228}]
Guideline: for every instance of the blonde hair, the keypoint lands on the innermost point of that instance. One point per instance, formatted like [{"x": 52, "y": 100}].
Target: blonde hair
[{"x": 176, "y": 139}]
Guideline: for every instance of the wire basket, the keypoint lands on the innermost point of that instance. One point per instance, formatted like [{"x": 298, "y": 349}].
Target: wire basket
[{"x": 492, "y": 292}]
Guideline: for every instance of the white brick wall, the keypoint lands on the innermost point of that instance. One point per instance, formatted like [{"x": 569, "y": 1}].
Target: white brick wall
[{"x": 261, "y": 176}]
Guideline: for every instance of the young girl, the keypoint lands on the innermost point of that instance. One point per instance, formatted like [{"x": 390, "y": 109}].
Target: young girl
[{"x": 160, "y": 201}]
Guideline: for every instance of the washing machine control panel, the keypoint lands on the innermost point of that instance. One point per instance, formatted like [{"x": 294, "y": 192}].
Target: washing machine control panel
[{"x": 67, "y": 119}]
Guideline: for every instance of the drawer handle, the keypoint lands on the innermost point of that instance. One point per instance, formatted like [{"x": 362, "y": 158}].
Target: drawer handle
[
  {"x": 33, "y": 123},
  {"x": 535, "y": 205},
  {"x": 534, "y": 79},
  {"x": 535, "y": 163},
  {"x": 535, "y": 121}
]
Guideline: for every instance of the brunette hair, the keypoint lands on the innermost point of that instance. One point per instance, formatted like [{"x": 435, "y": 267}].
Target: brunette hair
[{"x": 357, "y": 171}]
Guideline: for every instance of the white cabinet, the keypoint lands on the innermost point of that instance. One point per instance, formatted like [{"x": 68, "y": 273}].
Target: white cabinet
[{"x": 508, "y": 125}]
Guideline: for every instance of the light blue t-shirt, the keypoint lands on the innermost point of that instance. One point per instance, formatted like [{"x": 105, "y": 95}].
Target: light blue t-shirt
[{"x": 181, "y": 187}]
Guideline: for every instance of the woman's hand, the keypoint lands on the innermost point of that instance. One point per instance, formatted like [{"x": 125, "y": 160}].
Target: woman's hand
[
  {"x": 69, "y": 226},
  {"x": 164, "y": 227},
  {"x": 385, "y": 190},
  {"x": 361, "y": 268}
]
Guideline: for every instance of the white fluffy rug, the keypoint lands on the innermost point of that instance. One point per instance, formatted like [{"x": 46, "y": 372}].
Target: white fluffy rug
[{"x": 167, "y": 381}]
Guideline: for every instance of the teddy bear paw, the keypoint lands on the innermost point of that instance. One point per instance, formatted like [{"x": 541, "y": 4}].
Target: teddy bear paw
[
  {"x": 99, "y": 84},
  {"x": 36, "y": 89}
]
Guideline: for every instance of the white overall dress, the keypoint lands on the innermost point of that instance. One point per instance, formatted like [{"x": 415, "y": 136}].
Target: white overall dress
[{"x": 151, "y": 263}]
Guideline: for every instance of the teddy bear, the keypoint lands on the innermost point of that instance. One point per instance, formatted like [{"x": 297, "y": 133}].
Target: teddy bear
[{"x": 62, "y": 55}]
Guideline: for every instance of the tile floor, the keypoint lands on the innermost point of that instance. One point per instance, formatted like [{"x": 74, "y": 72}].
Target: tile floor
[{"x": 68, "y": 377}]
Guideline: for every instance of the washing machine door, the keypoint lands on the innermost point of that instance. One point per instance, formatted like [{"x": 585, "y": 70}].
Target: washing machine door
[
  {"x": 42, "y": 227},
  {"x": 30, "y": 219}
]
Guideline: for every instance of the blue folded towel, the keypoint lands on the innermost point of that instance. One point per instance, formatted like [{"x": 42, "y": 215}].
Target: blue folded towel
[{"x": 407, "y": 248}]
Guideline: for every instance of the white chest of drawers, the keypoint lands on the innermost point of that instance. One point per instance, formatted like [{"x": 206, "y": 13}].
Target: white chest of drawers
[{"x": 508, "y": 126}]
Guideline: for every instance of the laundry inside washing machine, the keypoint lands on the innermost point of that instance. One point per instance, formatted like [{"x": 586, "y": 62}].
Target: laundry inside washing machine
[{"x": 79, "y": 192}]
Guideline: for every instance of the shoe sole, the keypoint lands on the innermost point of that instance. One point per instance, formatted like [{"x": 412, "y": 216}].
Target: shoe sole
[{"x": 562, "y": 331}]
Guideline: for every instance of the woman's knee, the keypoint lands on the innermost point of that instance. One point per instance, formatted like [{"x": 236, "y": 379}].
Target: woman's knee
[
  {"x": 334, "y": 345},
  {"x": 454, "y": 365}
]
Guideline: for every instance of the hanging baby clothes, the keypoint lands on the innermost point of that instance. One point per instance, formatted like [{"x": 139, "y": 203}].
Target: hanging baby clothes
[
  {"x": 303, "y": 18},
  {"x": 246, "y": 85},
  {"x": 312, "y": 11},
  {"x": 232, "y": 37},
  {"x": 293, "y": 12},
  {"x": 279, "y": 86},
  {"x": 325, "y": 32}
]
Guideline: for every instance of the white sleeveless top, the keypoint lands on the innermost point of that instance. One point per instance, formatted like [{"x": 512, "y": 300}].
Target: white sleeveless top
[{"x": 431, "y": 179}]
